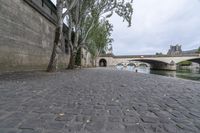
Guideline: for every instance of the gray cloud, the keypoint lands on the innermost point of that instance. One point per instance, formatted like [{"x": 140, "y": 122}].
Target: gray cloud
[{"x": 156, "y": 25}]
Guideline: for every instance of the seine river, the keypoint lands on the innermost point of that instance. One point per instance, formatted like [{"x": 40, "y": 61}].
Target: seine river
[{"x": 191, "y": 74}]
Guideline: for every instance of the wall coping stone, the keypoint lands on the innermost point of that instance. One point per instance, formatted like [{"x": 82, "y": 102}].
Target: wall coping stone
[{"x": 49, "y": 4}]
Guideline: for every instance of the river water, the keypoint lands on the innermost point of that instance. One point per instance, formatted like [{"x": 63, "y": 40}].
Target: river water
[{"x": 191, "y": 74}]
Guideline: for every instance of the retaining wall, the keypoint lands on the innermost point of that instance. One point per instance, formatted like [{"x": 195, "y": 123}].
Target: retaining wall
[{"x": 26, "y": 35}]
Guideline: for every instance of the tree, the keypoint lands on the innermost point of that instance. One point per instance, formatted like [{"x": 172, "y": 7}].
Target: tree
[
  {"x": 77, "y": 13},
  {"x": 159, "y": 53},
  {"x": 185, "y": 63},
  {"x": 58, "y": 34},
  {"x": 198, "y": 51},
  {"x": 99, "y": 38},
  {"x": 91, "y": 10}
]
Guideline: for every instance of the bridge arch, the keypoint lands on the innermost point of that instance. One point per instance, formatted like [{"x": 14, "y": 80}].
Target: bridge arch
[
  {"x": 120, "y": 64},
  {"x": 102, "y": 63},
  {"x": 143, "y": 64},
  {"x": 131, "y": 64},
  {"x": 157, "y": 64}
]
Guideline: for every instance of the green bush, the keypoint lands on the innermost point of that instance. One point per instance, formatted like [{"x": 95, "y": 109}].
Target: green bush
[{"x": 185, "y": 63}]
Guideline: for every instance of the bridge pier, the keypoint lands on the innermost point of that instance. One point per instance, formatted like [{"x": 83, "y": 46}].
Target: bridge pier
[{"x": 163, "y": 66}]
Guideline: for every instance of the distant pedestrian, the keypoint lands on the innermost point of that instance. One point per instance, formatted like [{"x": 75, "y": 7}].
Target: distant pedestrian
[{"x": 136, "y": 70}]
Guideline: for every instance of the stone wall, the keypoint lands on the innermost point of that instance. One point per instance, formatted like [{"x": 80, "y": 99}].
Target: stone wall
[
  {"x": 27, "y": 34},
  {"x": 86, "y": 59}
]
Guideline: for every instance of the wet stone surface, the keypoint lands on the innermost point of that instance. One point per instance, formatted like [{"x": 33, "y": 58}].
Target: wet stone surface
[{"x": 97, "y": 101}]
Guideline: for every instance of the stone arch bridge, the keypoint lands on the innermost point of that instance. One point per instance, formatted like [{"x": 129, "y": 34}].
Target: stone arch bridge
[{"x": 162, "y": 62}]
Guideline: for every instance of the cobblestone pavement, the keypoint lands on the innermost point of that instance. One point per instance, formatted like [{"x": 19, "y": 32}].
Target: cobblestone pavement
[{"x": 98, "y": 101}]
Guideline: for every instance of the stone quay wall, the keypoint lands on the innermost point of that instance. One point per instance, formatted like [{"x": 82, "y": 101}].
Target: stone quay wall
[
  {"x": 86, "y": 58},
  {"x": 26, "y": 35}
]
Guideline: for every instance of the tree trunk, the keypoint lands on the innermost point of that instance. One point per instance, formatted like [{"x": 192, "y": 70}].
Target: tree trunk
[
  {"x": 58, "y": 37},
  {"x": 72, "y": 61},
  {"x": 53, "y": 61},
  {"x": 54, "y": 56}
]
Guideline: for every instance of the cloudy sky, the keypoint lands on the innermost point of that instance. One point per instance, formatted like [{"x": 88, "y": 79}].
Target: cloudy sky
[{"x": 156, "y": 25}]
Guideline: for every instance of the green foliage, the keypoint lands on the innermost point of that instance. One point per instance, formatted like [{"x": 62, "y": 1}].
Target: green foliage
[
  {"x": 185, "y": 63},
  {"x": 198, "y": 50},
  {"x": 87, "y": 20},
  {"x": 122, "y": 8},
  {"x": 86, "y": 14},
  {"x": 159, "y": 53},
  {"x": 99, "y": 38}
]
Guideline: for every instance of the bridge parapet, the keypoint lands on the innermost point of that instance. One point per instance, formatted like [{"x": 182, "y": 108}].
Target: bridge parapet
[{"x": 153, "y": 56}]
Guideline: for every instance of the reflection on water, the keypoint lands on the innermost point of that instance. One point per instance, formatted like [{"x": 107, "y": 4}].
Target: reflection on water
[
  {"x": 141, "y": 69},
  {"x": 192, "y": 74}
]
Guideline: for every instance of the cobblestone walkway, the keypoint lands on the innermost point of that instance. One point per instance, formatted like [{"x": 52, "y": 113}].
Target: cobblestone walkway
[{"x": 98, "y": 101}]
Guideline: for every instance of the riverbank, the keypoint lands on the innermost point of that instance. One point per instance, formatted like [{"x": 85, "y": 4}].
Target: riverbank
[
  {"x": 98, "y": 101},
  {"x": 189, "y": 74}
]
